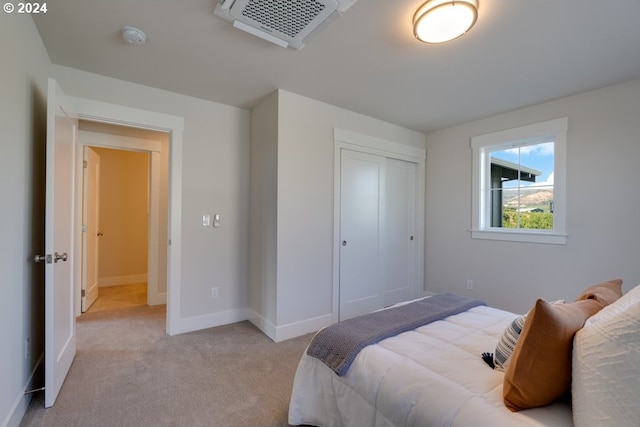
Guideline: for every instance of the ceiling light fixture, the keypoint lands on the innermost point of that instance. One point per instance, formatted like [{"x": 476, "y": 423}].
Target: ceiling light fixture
[
  {"x": 133, "y": 35},
  {"x": 438, "y": 21}
]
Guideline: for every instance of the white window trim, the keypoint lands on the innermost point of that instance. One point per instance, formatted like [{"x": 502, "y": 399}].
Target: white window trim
[{"x": 524, "y": 135}]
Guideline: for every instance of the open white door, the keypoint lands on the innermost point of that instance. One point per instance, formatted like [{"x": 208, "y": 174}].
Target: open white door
[
  {"x": 60, "y": 327},
  {"x": 90, "y": 226}
]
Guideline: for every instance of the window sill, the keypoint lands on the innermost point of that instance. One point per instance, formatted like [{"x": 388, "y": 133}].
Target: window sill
[{"x": 520, "y": 236}]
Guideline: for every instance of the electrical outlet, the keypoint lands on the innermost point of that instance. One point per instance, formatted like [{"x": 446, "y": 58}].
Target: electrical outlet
[
  {"x": 214, "y": 293},
  {"x": 27, "y": 348},
  {"x": 470, "y": 284}
]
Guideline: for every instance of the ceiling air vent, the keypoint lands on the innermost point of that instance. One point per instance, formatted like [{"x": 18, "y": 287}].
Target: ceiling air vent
[{"x": 287, "y": 23}]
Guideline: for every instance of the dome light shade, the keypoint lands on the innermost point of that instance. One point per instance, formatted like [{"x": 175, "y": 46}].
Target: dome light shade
[{"x": 438, "y": 21}]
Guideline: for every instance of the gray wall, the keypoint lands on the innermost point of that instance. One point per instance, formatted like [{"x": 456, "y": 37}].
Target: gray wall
[
  {"x": 23, "y": 93},
  {"x": 292, "y": 214},
  {"x": 264, "y": 214},
  {"x": 603, "y": 206},
  {"x": 305, "y": 198}
]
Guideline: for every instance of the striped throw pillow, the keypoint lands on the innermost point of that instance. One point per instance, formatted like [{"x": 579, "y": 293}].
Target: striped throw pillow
[{"x": 507, "y": 343}]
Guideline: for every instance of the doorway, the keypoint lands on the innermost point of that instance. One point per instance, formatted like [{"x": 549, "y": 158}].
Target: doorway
[
  {"x": 63, "y": 230},
  {"x": 115, "y": 228},
  {"x": 133, "y": 220}
]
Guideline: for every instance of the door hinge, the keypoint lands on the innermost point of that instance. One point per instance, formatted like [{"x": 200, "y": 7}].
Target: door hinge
[
  {"x": 83, "y": 293},
  {"x": 84, "y": 164},
  {"x": 84, "y": 228}
]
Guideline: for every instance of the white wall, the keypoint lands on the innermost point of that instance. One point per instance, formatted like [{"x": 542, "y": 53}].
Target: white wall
[
  {"x": 304, "y": 194},
  {"x": 602, "y": 212},
  {"x": 23, "y": 91},
  {"x": 215, "y": 179}
]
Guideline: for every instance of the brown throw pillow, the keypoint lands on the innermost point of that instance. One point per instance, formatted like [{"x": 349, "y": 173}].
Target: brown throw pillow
[
  {"x": 606, "y": 292},
  {"x": 540, "y": 367}
]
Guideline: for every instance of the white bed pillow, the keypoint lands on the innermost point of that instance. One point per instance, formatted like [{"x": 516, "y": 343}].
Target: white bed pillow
[{"x": 606, "y": 366}]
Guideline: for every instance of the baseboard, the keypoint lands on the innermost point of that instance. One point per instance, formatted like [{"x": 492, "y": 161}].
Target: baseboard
[
  {"x": 158, "y": 299},
  {"x": 267, "y": 328},
  {"x": 276, "y": 333},
  {"x": 19, "y": 408},
  {"x": 122, "y": 280},
  {"x": 290, "y": 330},
  {"x": 197, "y": 323},
  {"x": 302, "y": 327}
]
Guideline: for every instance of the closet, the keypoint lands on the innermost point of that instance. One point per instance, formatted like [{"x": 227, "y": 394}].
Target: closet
[{"x": 377, "y": 232}]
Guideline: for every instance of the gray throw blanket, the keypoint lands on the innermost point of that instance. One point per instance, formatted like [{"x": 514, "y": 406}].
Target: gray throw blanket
[{"x": 339, "y": 344}]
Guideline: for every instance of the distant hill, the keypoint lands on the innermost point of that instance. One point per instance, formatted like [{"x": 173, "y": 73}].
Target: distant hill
[{"x": 529, "y": 199}]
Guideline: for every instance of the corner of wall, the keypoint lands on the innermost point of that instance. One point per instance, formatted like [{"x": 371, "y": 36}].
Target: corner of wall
[
  {"x": 290, "y": 330},
  {"x": 303, "y": 327},
  {"x": 197, "y": 323},
  {"x": 23, "y": 399},
  {"x": 263, "y": 324}
]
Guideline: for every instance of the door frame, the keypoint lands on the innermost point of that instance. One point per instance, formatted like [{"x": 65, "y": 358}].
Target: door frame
[
  {"x": 96, "y": 111},
  {"x": 88, "y": 138},
  {"x": 344, "y": 139}
]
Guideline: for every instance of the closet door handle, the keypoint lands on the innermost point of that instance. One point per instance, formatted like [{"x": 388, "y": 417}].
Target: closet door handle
[{"x": 344, "y": 243}]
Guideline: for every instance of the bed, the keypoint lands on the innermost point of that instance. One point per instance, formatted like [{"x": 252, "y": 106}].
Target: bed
[{"x": 432, "y": 375}]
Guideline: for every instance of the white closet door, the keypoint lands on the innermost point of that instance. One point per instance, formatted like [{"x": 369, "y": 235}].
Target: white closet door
[
  {"x": 360, "y": 285},
  {"x": 377, "y": 232},
  {"x": 397, "y": 230}
]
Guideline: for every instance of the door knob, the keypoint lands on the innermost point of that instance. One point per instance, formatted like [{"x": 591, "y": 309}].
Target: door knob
[
  {"x": 57, "y": 257},
  {"x": 344, "y": 243}
]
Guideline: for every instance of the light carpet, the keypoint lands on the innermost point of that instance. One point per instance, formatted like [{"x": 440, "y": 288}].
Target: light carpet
[{"x": 128, "y": 372}]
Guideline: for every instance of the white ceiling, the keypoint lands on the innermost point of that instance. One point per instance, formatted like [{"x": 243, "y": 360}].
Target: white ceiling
[{"x": 519, "y": 53}]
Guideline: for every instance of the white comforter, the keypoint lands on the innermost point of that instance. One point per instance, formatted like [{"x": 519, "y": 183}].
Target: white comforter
[{"x": 431, "y": 376}]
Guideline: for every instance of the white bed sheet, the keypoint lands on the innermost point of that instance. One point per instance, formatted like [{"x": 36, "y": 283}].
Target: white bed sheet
[{"x": 428, "y": 377}]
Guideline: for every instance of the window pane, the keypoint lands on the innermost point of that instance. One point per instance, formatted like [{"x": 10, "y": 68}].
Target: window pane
[{"x": 522, "y": 187}]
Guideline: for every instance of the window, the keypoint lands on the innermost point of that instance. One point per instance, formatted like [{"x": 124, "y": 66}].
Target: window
[{"x": 519, "y": 183}]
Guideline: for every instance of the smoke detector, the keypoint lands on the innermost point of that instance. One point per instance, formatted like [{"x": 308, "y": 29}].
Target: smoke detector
[
  {"x": 287, "y": 23},
  {"x": 133, "y": 35}
]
